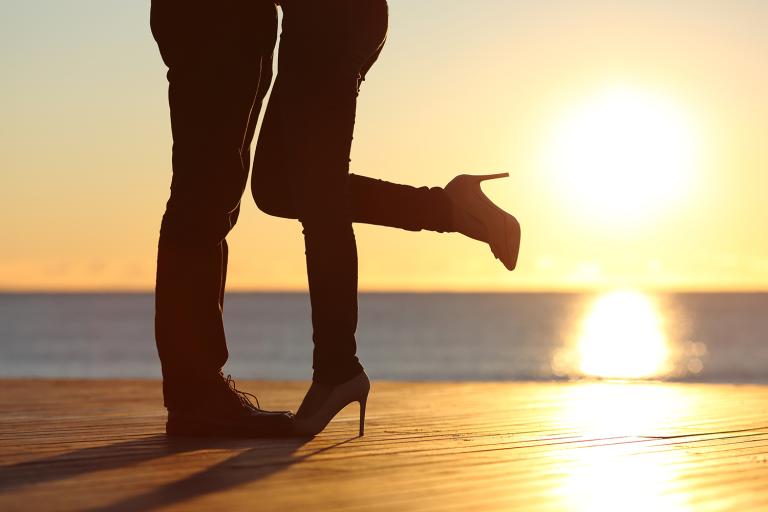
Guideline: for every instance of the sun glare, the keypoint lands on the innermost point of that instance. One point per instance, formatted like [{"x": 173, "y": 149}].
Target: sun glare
[
  {"x": 622, "y": 337},
  {"x": 623, "y": 153},
  {"x": 613, "y": 476}
]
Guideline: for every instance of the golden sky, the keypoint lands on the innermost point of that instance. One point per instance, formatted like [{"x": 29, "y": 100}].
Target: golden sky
[{"x": 636, "y": 135}]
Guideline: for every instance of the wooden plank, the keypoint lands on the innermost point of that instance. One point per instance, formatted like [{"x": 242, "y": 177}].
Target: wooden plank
[{"x": 88, "y": 445}]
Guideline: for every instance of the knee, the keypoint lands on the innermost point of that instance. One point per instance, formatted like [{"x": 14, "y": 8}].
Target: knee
[
  {"x": 321, "y": 207},
  {"x": 206, "y": 189},
  {"x": 196, "y": 225},
  {"x": 272, "y": 200}
]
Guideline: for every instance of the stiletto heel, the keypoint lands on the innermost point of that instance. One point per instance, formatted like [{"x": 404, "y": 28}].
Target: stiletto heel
[
  {"x": 502, "y": 231},
  {"x": 322, "y": 403},
  {"x": 361, "y": 433},
  {"x": 486, "y": 177}
]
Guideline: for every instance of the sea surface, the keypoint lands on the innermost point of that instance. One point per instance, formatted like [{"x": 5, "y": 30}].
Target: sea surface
[{"x": 703, "y": 337}]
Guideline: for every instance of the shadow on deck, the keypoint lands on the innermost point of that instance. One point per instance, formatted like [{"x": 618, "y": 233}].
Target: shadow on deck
[{"x": 98, "y": 445}]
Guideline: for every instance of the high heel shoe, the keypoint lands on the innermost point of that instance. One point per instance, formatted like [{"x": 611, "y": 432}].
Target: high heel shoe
[
  {"x": 322, "y": 403},
  {"x": 501, "y": 229}
]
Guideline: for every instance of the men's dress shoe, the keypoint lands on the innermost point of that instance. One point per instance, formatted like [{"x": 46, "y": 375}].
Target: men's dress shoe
[{"x": 225, "y": 411}]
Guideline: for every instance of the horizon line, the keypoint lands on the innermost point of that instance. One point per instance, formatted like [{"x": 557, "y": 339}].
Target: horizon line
[{"x": 394, "y": 291}]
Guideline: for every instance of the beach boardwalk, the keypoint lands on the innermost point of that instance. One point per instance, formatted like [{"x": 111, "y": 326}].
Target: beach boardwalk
[{"x": 99, "y": 445}]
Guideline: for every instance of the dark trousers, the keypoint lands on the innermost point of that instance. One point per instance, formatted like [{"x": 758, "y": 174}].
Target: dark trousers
[{"x": 219, "y": 58}]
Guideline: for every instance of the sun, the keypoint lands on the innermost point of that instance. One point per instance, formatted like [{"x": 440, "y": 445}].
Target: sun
[{"x": 623, "y": 153}]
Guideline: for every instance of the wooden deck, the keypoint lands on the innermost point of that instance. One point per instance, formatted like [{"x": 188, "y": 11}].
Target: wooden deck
[{"x": 99, "y": 445}]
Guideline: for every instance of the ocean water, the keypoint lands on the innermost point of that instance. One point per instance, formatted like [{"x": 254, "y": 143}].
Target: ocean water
[{"x": 707, "y": 337}]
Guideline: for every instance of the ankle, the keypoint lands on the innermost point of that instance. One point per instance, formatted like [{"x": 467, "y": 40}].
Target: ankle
[{"x": 335, "y": 377}]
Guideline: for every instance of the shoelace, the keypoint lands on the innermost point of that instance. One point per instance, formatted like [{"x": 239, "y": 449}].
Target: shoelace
[{"x": 243, "y": 395}]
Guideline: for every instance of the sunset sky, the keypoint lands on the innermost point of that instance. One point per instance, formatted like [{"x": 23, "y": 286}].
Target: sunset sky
[{"x": 635, "y": 132}]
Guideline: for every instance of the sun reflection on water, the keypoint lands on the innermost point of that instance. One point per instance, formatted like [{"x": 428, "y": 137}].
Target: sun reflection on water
[
  {"x": 629, "y": 335},
  {"x": 623, "y": 337}
]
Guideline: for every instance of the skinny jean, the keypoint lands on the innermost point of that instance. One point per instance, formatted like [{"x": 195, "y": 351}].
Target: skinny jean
[{"x": 219, "y": 59}]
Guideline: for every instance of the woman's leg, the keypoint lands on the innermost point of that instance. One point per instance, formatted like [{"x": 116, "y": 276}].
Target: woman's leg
[
  {"x": 324, "y": 49},
  {"x": 371, "y": 201}
]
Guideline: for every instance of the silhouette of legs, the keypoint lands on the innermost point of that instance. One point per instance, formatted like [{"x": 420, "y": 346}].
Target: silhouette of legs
[
  {"x": 370, "y": 201},
  {"x": 219, "y": 62},
  {"x": 219, "y": 70},
  {"x": 301, "y": 166}
]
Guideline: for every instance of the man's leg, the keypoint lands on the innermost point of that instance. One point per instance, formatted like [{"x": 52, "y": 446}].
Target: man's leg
[{"x": 219, "y": 68}]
